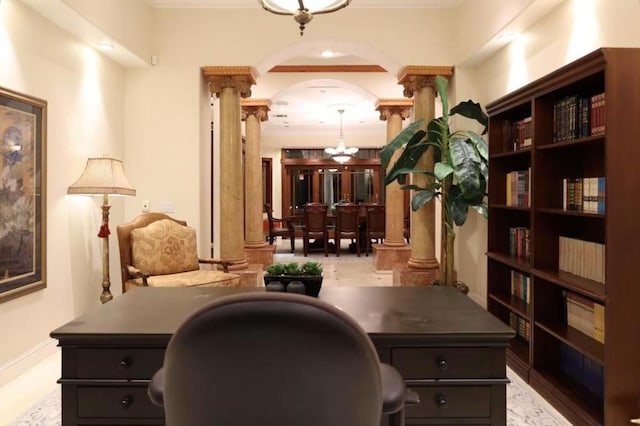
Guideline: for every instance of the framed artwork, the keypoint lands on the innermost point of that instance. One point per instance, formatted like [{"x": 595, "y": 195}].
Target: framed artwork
[{"x": 22, "y": 194}]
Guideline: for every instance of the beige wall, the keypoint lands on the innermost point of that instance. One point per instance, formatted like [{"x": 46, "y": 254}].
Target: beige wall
[
  {"x": 155, "y": 117},
  {"x": 84, "y": 92},
  {"x": 574, "y": 29}
]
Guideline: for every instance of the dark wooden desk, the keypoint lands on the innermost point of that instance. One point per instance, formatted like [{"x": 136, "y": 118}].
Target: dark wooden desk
[{"x": 448, "y": 349}]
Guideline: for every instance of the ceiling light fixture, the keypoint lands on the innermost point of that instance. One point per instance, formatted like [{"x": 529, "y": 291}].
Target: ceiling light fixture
[
  {"x": 303, "y": 13},
  {"x": 341, "y": 154}
]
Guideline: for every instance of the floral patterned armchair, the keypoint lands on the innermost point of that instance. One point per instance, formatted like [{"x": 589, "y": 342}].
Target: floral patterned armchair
[{"x": 159, "y": 251}]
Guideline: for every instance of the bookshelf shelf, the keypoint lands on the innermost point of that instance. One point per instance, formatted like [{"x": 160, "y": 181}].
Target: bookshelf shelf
[
  {"x": 513, "y": 304},
  {"x": 511, "y": 154},
  {"x": 586, "y": 406},
  {"x": 582, "y": 157},
  {"x": 577, "y": 340},
  {"x": 589, "y": 288},
  {"x": 507, "y": 207},
  {"x": 570, "y": 213},
  {"x": 572, "y": 143}
]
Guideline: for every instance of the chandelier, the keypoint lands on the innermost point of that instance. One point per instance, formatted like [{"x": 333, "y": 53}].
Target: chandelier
[
  {"x": 341, "y": 154},
  {"x": 303, "y": 10}
]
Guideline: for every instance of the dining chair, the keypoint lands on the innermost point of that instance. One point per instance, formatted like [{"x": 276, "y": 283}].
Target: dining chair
[
  {"x": 285, "y": 230},
  {"x": 287, "y": 360},
  {"x": 315, "y": 226},
  {"x": 375, "y": 225},
  {"x": 347, "y": 225}
]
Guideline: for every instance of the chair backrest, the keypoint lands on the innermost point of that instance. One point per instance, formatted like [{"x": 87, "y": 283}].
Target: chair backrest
[
  {"x": 315, "y": 217},
  {"x": 271, "y": 359},
  {"x": 125, "y": 240},
  {"x": 347, "y": 218},
  {"x": 266, "y": 208},
  {"x": 375, "y": 219}
]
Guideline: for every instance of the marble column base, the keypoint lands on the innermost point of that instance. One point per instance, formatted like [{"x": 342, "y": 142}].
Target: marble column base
[
  {"x": 252, "y": 276},
  {"x": 262, "y": 255},
  {"x": 403, "y": 275},
  {"x": 385, "y": 256}
]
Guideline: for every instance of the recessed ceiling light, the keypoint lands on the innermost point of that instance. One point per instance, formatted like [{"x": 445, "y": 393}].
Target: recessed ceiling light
[
  {"x": 105, "y": 45},
  {"x": 328, "y": 53}
]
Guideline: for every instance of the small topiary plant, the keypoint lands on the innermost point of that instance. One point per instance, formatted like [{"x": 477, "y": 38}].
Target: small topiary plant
[{"x": 294, "y": 268}]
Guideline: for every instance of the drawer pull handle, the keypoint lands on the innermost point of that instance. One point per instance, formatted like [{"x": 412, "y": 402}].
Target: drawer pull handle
[
  {"x": 441, "y": 401},
  {"x": 442, "y": 364},
  {"x": 125, "y": 363},
  {"x": 126, "y": 401}
]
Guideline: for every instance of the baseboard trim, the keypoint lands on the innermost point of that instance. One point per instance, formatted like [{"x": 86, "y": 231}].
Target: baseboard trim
[{"x": 26, "y": 360}]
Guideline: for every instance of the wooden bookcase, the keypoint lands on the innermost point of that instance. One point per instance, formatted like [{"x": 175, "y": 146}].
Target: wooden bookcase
[{"x": 541, "y": 358}]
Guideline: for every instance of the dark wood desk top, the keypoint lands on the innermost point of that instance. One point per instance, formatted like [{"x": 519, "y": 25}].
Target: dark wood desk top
[{"x": 151, "y": 315}]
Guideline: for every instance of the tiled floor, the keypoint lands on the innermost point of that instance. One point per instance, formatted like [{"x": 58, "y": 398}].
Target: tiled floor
[{"x": 33, "y": 399}]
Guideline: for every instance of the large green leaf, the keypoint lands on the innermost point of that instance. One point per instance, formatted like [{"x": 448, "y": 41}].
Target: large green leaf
[
  {"x": 482, "y": 209},
  {"x": 466, "y": 165},
  {"x": 433, "y": 187},
  {"x": 458, "y": 207},
  {"x": 420, "y": 199},
  {"x": 441, "y": 170},
  {"x": 442, "y": 88},
  {"x": 398, "y": 142},
  {"x": 473, "y": 111},
  {"x": 478, "y": 142},
  {"x": 403, "y": 172}
]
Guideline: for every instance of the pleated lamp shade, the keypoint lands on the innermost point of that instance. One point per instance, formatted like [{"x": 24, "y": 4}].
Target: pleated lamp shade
[{"x": 102, "y": 176}]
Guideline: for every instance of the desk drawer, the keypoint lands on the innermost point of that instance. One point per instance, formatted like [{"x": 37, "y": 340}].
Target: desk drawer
[
  {"x": 451, "y": 401},
  {"x": 116, "y": 402},
  {"x": 449, "y": 363},
  {"x": 119, "y": 363}
]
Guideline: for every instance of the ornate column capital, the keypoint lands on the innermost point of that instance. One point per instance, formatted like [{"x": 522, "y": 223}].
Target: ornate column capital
[
  {"x": 388, "y": 107},
  {"x": 239, "y": 78},
  {"x": 258, "y": 107},
  {"x": 416, "y": 77}
]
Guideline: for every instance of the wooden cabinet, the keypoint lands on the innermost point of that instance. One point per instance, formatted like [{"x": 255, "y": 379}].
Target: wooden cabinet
[{"x": 579, "y": 122}]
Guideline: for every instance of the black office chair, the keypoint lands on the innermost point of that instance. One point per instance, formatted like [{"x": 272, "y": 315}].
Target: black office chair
[{"x": 275, "y": 359}]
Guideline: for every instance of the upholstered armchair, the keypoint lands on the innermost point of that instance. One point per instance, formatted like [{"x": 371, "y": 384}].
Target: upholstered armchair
[{"x": 159, "y": 251}]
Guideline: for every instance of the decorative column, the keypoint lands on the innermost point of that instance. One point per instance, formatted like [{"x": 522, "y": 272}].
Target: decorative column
[
  {"x": 394, "y": 249},
  {"x": 423, "y": 267},
  {"x": 229, "y": 84},
  {"x": 256, "y": 249}
]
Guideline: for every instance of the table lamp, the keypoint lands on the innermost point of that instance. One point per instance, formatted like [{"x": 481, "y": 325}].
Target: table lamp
[{"x": 103, "y": 176}]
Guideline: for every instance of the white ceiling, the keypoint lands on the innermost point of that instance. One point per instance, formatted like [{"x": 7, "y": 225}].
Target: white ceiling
[
  {"x": 315, "y": 101},
  {"x": 354, "y": 3}
]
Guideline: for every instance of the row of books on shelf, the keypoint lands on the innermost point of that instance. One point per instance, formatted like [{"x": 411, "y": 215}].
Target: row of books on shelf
[
  {"x": 521, "y": 133},
  {"x": 583, "y": 258},
  {"x": 520, "y": 325},
  {"x": 585, "y": 371},
  {"x": 584, "y": 194},
  {"x": 519, "y": 188},
  {"x": 578, "y": 117},
  {"x": 585, "y": 315},
  {"x": 519, "y": 242},
  {"x": 520, "y": 286}
]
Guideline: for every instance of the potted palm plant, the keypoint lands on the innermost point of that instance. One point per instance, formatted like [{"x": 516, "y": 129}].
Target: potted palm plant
[
  {"x": 308, "y": 273},
  {"x": 459, "y": 176}
]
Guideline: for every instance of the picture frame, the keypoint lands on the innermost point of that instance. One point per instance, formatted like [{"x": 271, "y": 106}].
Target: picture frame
[{"x": 23, "y": 134}]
